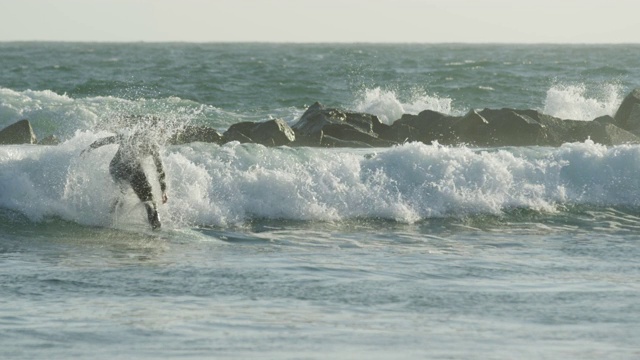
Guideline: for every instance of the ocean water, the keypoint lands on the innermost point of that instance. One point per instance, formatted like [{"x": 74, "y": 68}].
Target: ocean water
[{"x": 415, "y": 251}]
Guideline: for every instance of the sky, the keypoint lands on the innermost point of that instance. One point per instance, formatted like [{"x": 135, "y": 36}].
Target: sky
[{"x": 405, "y": 21}]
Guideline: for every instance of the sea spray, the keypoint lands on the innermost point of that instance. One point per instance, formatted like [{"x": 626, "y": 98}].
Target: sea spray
[
  {"x": 577, "y": 102},
  {"x": 387, "y": 105},
  {"x": 62, "y": 115}
]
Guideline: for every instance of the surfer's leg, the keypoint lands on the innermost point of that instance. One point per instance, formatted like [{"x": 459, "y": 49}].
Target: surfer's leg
[
  {"x": 152, "y": 215},
  {"x": 142, "y": 188},
  {"x": 117, "y": 200},
  {"x": 119, "y": 175}
]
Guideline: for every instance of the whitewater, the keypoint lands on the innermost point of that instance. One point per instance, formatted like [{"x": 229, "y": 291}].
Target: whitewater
[
  {"x": 218, "y": 186},
  {"x": 412, "y": 251}
]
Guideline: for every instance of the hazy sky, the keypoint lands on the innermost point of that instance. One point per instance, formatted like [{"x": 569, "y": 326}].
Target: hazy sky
[{"x": 428, "y": 21}]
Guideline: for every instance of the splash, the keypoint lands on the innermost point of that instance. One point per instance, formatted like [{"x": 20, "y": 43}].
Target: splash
[
  {"x": 389, "y": 107},
  {"x": 577, "y": 102},
  {"x": 61, "y": 115}
]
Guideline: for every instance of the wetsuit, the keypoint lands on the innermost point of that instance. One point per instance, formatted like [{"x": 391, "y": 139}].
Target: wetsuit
[{"x": 126, "y": 167}]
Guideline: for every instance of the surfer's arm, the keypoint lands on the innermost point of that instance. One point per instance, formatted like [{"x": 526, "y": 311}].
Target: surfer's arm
[{"x": 101, "y": 142}]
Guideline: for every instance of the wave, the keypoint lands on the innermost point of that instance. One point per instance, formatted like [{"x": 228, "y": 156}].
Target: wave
[
  {"x": 62, "y": 115},
  {"x": 387, "y": 105},
  {"x": 578, "y": 102},
  {"x": 574, "y": 102},
  {"x": 212, "y": 185}
]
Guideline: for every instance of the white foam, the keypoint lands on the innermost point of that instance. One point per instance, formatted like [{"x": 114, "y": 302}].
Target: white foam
[
  {"x": 388, "y": 107},
  {"x": 214, "y": 185},
  {"x": 61, "y": 115},
  {"x": 577, "y": 102}
]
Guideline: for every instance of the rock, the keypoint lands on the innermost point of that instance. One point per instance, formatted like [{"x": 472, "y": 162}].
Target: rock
[
  {"x": 342, "y": 125},
  {"x": 605, "y": 119},
  {"x": 239, "y": 132},
  {"x": 329, "y": 127},
  {"x": 610, "y": 134},
  {"x": 349, "y": 133},
  {"x": 314, "y": 139},
  {"x": 504, "y": 127},
  {"x": 20, "y": 132},
  {"x": 330, "y": 141},
  {"x": 49, "y": 140},
  {"x": 601, "y": 133},
  {"x": 628, "y": 114},
  {"x": 273, "y": 133},
  {"x": 269, "y": 133},
  {"x": 197, "y": 134},
  {"x": 315, "y": 118},
  {"x": 507, "y": 127},
  {"x": 236, "y": 136},
  {"x": 426, "y": 127}
]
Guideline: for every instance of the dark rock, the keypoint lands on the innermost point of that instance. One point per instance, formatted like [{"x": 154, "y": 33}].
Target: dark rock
[
  {"x": 236, "y": 136},
  {"x": 315, "y": 118},
  {"x": 601, "y": 133},
  {"x": 349, "y": 133},
  {"x": 314, "y": 139},
  {"x": 504, "y": 127},
  {"x": 20, "y": 132},
  {"x": 269, "y": 133},
  {"x": 342, "y": 125},
  {"x": 628, "y": 114},
  {"x": 507, "y": 127},
  {"x": 426, "y": 127},
  {"x": 605, "y": 119},
  {"x": 197, "y": 134},
  {"x": 273, "y": 133},
  {"x": 239, "y": 132},
  {"x": 244, "y": 128},
  {"x": 404, "y": 133},
  {"x": 330, "y": 141}
]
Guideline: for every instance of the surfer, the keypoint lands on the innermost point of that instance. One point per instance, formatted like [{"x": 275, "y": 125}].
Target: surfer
[{"x": 126, "y": 167}]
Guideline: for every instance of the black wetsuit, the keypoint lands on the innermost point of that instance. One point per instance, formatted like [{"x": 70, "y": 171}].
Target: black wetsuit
[{"x": 126, "y": 167}]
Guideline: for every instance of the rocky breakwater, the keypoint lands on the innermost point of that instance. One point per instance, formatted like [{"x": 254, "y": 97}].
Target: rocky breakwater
[{"x": 322, "y": 126}]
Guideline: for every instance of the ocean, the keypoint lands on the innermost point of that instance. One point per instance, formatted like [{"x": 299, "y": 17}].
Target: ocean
[{"x": 417, "y": 251}]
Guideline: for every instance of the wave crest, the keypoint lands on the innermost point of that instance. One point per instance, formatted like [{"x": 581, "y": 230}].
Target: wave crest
[
  {"x": 577, "y": 102},
  {"x": 388, "y": 107}
]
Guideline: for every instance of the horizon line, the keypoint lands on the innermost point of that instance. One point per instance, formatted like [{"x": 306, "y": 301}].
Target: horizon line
[{"x": 266, "y": 42}]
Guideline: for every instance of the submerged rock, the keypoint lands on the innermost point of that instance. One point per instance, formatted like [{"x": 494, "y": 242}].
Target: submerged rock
[
  {"x": 49, "y": 140},
  {"x": 20, "y": 132}
]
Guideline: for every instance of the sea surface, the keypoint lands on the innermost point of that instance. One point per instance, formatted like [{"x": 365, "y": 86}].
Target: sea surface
[{"x": 418, "y": 251}]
